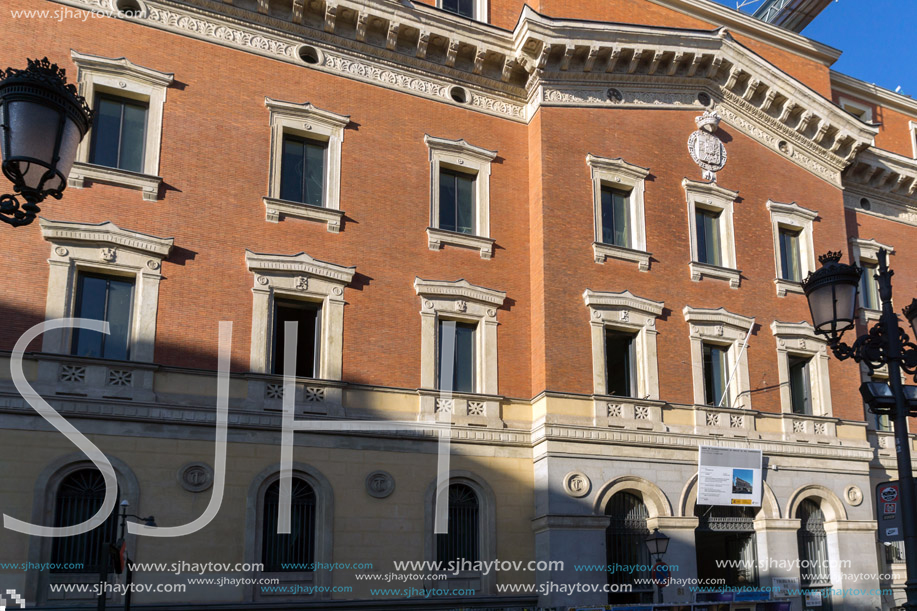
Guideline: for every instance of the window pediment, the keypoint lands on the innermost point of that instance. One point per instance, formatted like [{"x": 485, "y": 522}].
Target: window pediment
[
  {"x": 301, "y": 263},
  {"x": 121, "y": 66},
  {"x": 459, "y": 289},
  {"x": 105, "y": 234},
  {"x": 459, "y": 147},
  {"x": 717, "y": 323},
  {"x": 623, "y": 301}
]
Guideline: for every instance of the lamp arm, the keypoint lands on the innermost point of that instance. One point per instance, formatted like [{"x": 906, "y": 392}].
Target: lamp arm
[{"x": 16, "y": 213}]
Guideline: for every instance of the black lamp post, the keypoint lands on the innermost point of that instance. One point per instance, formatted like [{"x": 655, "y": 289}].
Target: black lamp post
[
  {"x": 657, "y": 543},
  {"x": 118, "y": 552},
  {"x": 42, "y": 119},
  {"x": 832, "y": 295}
]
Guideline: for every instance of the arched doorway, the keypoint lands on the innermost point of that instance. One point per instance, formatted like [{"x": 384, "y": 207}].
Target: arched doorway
[
  {"x": 625, "y": 545},
  {"x": 814, "y": 567},
  {"x": 726, "y": 546}
]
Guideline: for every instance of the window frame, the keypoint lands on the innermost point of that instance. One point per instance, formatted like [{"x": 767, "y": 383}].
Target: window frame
[
  {"x": 627, "y": 313},
  {"x": 862, "y": 252},
  {"x": 324, "y": 531},
  {"x": 305, "y": 304},
  {"x": 121, "y": 78},
  {"x": 305, "y": 142},
  {"x": 719, "y": 326},
  {"x": 123, "y": 101},
  {"x": 463, "y": 302},
  {"x": 620, "y": 175},
  {"x": 439, "y": 353},
  {"x": 487, "y": 532},
  {"x": 631, "y": 361},
  {"x": 792, "y": 217},
  {"x": 77, "y": 308},
  {"x": 710, "y": 196},
  {"x": 460, "y": 156},
  {"x": 298, "y": 277},
  {"x": 106, "y": 249},
  {"x": 847, "y": 104},
  {"x": 795, "y": 340},
  {"x": 480, "y": 10},
  {"x": 307, "y": 122}
]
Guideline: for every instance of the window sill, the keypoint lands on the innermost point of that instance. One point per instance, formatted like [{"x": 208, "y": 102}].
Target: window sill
[
  {"x": 147, "y": 184},
  {"x": 787, "y": 286},
  {"x": 704, "y": 270},
  {"x": 273, "y": 208},
  {"x": 436, "y": 238},
  {"x": 604, "y": 251}
]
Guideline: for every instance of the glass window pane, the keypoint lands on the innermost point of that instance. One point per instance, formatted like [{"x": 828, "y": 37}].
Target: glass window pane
[
  {"x": 464, "y": 357},
  {"x": 90, "y": 303},
  {"x": 714, "y": 374},
  {"x": 789, "y": 255},
  {"x": 314, "y": 173},
  {"x": 447, "y": 207},
  {"x": 132, "y": 136},
  {"x": 119, "y": 318},
  {"x": 619, "y": 363},
  {"x": 800, "y": 390},
  {"x": 465, "y": 8},
  {"x": 712, "y": 226},
  {"x": 622, "y": 228},
  {"x": 291, "y": 170},
  {"x": 106, "y": 128},
  {"x": 608, "y": 217},
  {"x": 464, "y": 196},
  {"x": 701, "y": 232},
  {"x": 868, "y": 290}
]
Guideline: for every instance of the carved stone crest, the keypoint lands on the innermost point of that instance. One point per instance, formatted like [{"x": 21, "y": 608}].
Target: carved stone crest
[
  {"x": 577, "y": 484},
  {"x": 195, "y": 477},
  {"x": 380, "y": 484},
  {"x": 705, "y": 148},
  {"x": 108, "y": 254}
]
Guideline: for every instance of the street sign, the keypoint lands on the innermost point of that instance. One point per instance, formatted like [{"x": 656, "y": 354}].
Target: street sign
[
  {"x": 661, "y": 574},
  {"x": 888, "y": 500}
]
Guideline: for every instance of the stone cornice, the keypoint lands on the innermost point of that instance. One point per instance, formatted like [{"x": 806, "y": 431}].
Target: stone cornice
[
  {"x": 307, "y": 111},
  {"x": 617, "y": 165},
  {"x": 298, "y": 263},
  {"x": 869, "y": 92},
  {"x": 104, "y": 233},
  {"x": 869, "y": 248},
  {"x": 717, "y": 316},
  {"x": 459, "y": 288},
  {"x": 710, "y": 189},
  {"x": 625, "y": 299},
  {"x": 796, "y": 329},
  {"x": 121, "y": 66},
  {"x": 459, "y": 147},
  {"x": 886, "y": 173},
  {"x": 756, "y": 29},
  {"x": 425, "y": 52},
  {"x": 792, "y": 209}
]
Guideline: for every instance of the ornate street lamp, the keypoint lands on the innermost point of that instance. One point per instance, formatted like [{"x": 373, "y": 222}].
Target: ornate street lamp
[
  {"x": 831, "y": 292},
  {"x": 657, "y": 543},
  {"x": 42, "y": 119}
]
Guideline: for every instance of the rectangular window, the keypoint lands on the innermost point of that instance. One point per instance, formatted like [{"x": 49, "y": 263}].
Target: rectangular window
[
  {"x": 118, "y": 136},
  {"x": 790, "y": 268},
  {"x": 800, "y": 385},
  {"x": 615, "y": 221},
  {"x": 302, "y": 170},
  {"x": 465, "y": 8},
  {"x": 880, "y": 421},
  {"x": 708, "y": 237},
  {"x": 456, "y": 201},
  {"x": 869, "y": 291},
  {"x": 308, "y": 336},
  {"x": 714, "y": 373},
  {"x": 105, "y": 298},
  {"x": 456, "y": 355},
  {"x": 619, "y": 363}
]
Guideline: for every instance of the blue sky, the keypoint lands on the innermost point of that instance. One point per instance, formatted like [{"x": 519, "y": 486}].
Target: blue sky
[{"x": 876, "y": 36}]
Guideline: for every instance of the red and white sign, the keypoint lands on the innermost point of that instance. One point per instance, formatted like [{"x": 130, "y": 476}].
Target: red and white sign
[
  {"x": 890, "y": 508},
  {"x": 889, "y": 494}
]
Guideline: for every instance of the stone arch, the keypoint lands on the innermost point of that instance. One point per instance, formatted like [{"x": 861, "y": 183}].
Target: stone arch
[
  {"x": 770, "y": 508},
  {"x": 44, "y": 504},
  {"x": 829, "y": 502},
  {"x": 488, "y": 520},
  {"x": 324, "y": 522},
  {"x": 657, "y": 504}
]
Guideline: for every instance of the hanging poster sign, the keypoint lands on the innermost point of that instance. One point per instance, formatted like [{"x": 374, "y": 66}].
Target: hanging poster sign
[{"x": 729, "y": 476}]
